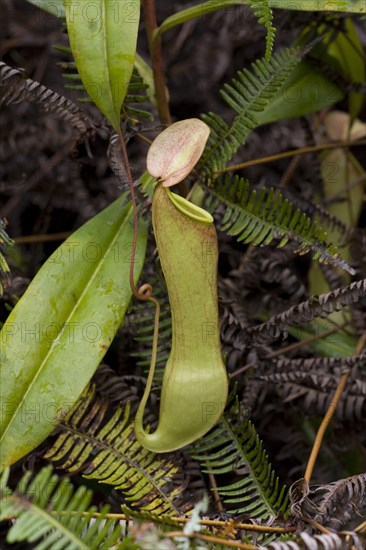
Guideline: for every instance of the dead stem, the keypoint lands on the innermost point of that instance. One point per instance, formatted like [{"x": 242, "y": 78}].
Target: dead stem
[
  {"x": 156, "y": 61},
  {"x": 288, "y": 154},
  {"x": 329, "y": 414}
]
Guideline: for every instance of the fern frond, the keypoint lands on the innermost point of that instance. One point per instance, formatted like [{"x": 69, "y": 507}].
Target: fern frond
[
  {"x": 102, "y": 445},
  {"x": 4, "y": 268},
  {"x": 340, "y": 501},
  {"x": 250, "y": 93},
  {"x": 257, "y": 217},
  {"x": 328, "y": 364},
  {"x": 48, "y": 510},
  {"x": 314, "y": 391},
  {"x": 317, "y": 306},
  {"x": 16, "y": 89},
  {"x": 263, "y": 13},
  {"x": 333, "y": 504},
  {"x": 233, "y": 446},
  {"x": 341, "y": 233},
  {"x": 304, "y": 541}
]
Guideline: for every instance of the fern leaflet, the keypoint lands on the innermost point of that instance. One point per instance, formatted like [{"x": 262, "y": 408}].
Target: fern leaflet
[
  {"x": 251, "y": 92},
  {"x": 259, "y": 217},
  {"x": 263, "y": 13},
  {"x": 49, "y": 510},
  {"x": 234, "y": 446},
  {"x": 136, "y": 93},
  {"x": 16, "y": 89},
  {"x": 106, "y": 450}
]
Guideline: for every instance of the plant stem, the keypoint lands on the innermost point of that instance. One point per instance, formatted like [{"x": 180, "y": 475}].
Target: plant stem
[
  {"x": 213, "y": 486},
  {"x": 135, "y": 219},
  {"x": 329, "y": 414},
  {"x": 46, "y": 237},
  {"x": 211, "y": 538},
  {"x": 204, "y": 522},
  {"x": 316, "y": 525},
  {"x": 156, "y": 61},
  {"x": 288, "y": 154},
  {"x": 290, "y": 347},
  {"x": 144, "y": 292}
]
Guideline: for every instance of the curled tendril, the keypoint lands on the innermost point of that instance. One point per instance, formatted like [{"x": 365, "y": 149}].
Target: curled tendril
[{"x": 144, "y": 292}]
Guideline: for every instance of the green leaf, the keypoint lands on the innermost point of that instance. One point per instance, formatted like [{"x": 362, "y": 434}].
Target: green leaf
[
  {"x": 103, "y": 38},
  {"x": 306, "y": 90},
  {"x": 204, "y": 8},
  {"x": 348, "y": 50},
  {"x": 59, "y": 331},
  {"x": 351, "y": 6}
]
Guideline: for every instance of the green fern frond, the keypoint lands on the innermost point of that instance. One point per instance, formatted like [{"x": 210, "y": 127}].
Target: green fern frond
[
  {"x": 48, "y": 510},
  {"x": 101, "y": 444},
  {"x": 263, "y": 13},
  {"x": 4, "y": 268},
  {"x": 257, "y": 217},
  {"x": 234, "y": 447},
  {"x": 248, "y": 94}
]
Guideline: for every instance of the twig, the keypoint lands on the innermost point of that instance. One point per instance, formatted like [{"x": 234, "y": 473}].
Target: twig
[
  {"x": 329, "y": 414},
  {"x": 47, "y": 237},
  {"x": 316, "y": 525},
  {"x": 211, "y": 538},
  {"x": 156, "y": 61},
  {"x": 204, "y": 522},
  {"x": 216, "y": 496},
  {"x": 290, "y": 347},
  {"x": 288, "y": 154}
]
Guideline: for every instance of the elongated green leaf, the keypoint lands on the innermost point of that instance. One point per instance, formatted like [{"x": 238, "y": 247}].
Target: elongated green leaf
[
  {"x": 57, "y": 334},
  {"x": 103, "y": 36},
  {"x": 203, "y": 8},
  {"x": 211, "y": 6},
  {"x": 351, "y": 6}
]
